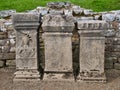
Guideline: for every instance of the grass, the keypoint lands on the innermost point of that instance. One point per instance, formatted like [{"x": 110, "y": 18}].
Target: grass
[{"x": 96, "y": 5}]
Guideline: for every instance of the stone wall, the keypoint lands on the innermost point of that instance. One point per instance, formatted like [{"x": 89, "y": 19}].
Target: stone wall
[
  {"x": 7, "y": 41},
  {"x": 112, "y": 34}
]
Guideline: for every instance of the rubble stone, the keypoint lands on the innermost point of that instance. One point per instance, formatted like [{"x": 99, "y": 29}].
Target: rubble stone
[{"x": 6, "y": 13}]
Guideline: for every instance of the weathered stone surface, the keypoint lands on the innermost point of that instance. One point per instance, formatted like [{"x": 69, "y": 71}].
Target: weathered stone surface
[
  {"x": 12, "y": 42},
  {"x": 119, "y": 60},
  {"x": 58, "y": 47},
  {"x": 114, "y": 25},
  {"x": 3, "y": 42},
  {"x": 2, "y": 28},
  {"x": 91, "y": 57},
  {"x": 118, "y": 34},
  {"x": 59, "y": 5},
  {"x": 39, "y": 10},
  {"x": 13, "y": 49},
  {"x": 109, "y": 33},
  {"x": 58, "y": 59},
  {"x": 113, "y": 48},
  {"x": 77, "y": 10},
  {"x": 52, "y": 11},
  {"x": 109, "y": 65},
  {"x": 117, "y": 12},
  {"x": 1, "y": 63},
  {"x": 117, "y": 66},
  {"x": 6, "y": 49},
  {"x": 26, "y": 26},
  {"x": 5, "y": 56},
  {"x": 11, "y": 34},
  {"x": 119, "y": 26},
  {"x": 97, "y": 17},
  {"x": 87, "y": 18},
  {"x": 88, "y": 12},
  {"x": 108, "y": 17},
  {"x": 112, "y": 54},
  {"x": 109, "y": 40},
  {"x": 57, "y": 23},
  {"x": 8, "y": 56},
  {"x": 6, "y": 13},
  {"x": 92, "y": 25},
  {"x": 11, "y": 62},
  {"x": 0, "y": 49},
  {"x": 92, "y": 46},
  {"x": 68, "y": 12},
  {"x": 111, "y": 60},
  {"x": 3, "y": 35},
  {"x": 23, "y": 19},
  {"x": 84, "y": 18},
  {"x": 118, "y": 17},
  {"x": 42, "y": 10},
  {"x": 112, "y": 41}
]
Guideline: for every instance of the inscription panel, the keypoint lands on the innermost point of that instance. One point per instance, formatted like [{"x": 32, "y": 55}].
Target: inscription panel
[
  {"x": 92, "y": 56},
  {"x": 58, "y": 54}
]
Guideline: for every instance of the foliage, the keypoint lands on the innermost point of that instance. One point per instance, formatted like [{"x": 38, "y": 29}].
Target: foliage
[{"x": 96, "y": 5}]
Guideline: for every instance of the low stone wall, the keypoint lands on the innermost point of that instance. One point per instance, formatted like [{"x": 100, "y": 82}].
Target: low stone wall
[
  {"x": 112, "y": 34},
  {"x": 7, "y": 41}
]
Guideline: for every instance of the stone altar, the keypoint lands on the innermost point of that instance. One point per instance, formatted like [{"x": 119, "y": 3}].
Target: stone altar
[
  {"x": 58, "y": 47},
  {"x": 26, "y": 26},
  {"x": 92, "y": 49}
]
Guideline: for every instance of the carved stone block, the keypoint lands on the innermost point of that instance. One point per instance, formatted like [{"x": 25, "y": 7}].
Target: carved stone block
[
  {"x": 92, "y": 49},
  {"x": 92, "y": 58},
  {"x": 26, "y": 26},
  {"x": 58, "y": 47},
  {"x": 58, "y": 23},
  {"x": 92, "y": 25}
]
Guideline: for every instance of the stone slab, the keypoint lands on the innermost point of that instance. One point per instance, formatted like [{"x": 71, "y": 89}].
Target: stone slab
[
  {"x": 3, "y": 36},
  {"x": 58, "y": 52},
  {"x": 92, "y": 50},
  {"x": 26, "y": 26},
  {"x": 3, "y": 42},
  {"x": 7, "y": 56},
  {"x": 109, "y": 66},
  {"x": 92, "y": 59},
  {"x": 58, "y": 46},
  {"x": 117, "y": 66},
  {"x": 5, "y": 49}
]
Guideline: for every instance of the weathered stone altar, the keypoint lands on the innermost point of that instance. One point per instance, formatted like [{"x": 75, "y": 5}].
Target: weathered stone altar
[
  {"x": 58, "y": 47},
  {"x": 26, "y": 26},
  {"x": 92, "y": 48}
]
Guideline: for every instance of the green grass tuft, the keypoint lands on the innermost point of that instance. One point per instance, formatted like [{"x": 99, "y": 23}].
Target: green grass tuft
[{"x": 96, "y": 5}]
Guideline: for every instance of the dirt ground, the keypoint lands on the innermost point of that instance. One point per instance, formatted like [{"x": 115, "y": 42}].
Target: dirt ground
[{"x": 7, "y": 74}]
